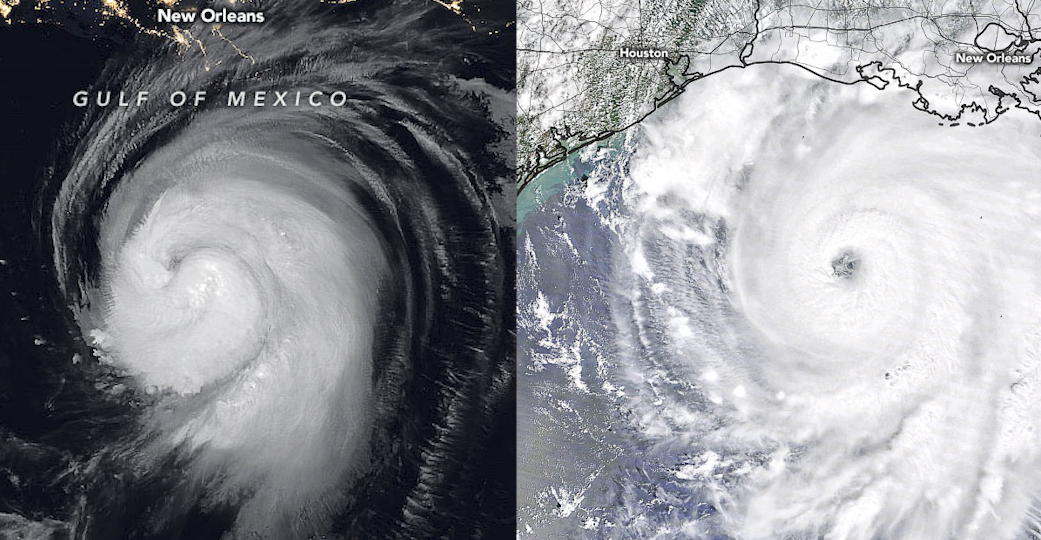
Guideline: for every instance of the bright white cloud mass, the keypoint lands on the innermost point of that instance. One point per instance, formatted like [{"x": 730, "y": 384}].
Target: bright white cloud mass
[
  {"x": 896, "y": 395},
  {"x": 824, "y": 317}
]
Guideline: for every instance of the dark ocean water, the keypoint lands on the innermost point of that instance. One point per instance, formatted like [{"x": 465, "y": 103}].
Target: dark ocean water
[{"x": 88, "y": 452}]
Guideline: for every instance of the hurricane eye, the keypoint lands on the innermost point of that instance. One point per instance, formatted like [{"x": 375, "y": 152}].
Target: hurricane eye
[
  {"x": 822, "y": 319},
  {"x": 844, "y": 266}
]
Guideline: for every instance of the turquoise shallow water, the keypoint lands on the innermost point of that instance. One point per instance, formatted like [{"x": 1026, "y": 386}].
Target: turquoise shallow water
[
  {"x": 542, "y": 187},
  {"x": 584, "y": 466},
  {"x": 553, "y": 179}
]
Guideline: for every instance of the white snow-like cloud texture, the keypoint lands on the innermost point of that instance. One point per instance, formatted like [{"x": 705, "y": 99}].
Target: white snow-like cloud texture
[
  {"x": 854, "y": 291},
  {"x": 305, "y": 302}
]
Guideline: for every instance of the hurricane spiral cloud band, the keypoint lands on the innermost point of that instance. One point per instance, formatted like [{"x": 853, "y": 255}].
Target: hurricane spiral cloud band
[
  {"x": 823, "y": 319},
  {"x": 293, "y": 320}
]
